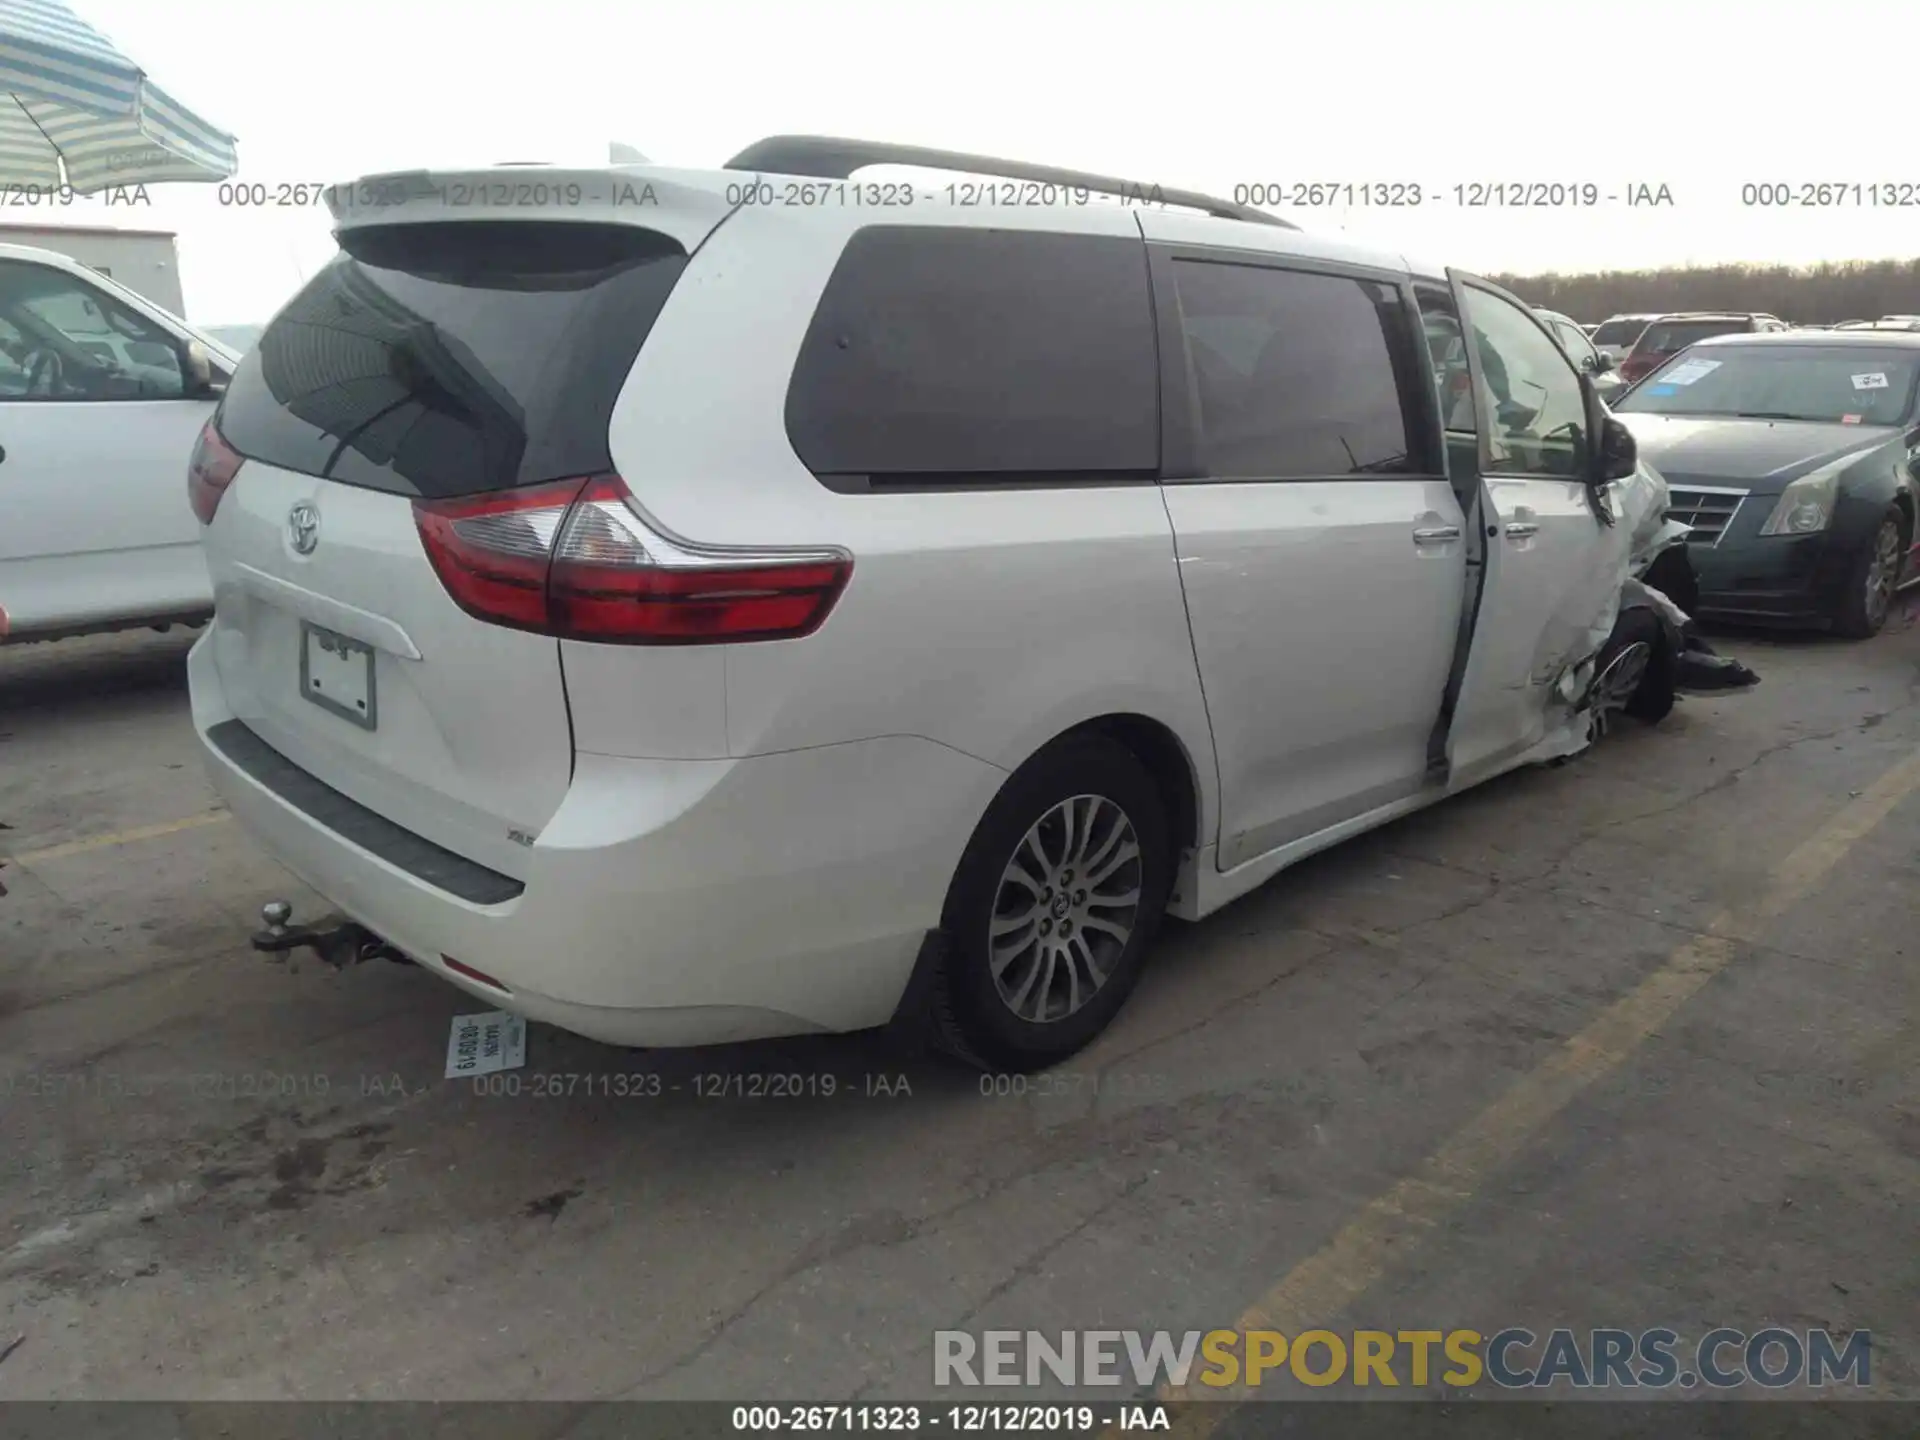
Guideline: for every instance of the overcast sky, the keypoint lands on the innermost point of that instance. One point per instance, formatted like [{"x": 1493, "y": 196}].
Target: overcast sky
[{"x": 1698, "y": 97}]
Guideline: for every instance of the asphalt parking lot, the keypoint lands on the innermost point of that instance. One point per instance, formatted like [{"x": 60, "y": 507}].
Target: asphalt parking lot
[{"x": 1626, "y": 1043}]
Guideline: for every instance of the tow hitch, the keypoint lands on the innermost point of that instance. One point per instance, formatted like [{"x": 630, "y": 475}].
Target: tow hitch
[{"x": 338, "y": 941}]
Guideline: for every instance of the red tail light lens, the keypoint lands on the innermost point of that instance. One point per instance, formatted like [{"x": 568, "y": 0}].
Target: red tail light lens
[
  {"x": 473, "y": 974},
  {"x": 210, "y": 470},
  {"x": 573, "y": 559},
  {"x": 493, "y": 552}
]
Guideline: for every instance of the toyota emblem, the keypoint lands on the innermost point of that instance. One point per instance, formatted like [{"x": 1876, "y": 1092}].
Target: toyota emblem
[{"x": 303, "y": 527}]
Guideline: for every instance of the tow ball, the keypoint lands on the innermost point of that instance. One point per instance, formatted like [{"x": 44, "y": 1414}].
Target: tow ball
[{"x": 338, "y": 941}]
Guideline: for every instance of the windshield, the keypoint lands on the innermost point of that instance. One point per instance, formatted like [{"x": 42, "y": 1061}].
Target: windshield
[
  {"x": 1667, "y": 336},
  {"x": 1849, "y": 386},
  {"x": 1619, "y": 332}
]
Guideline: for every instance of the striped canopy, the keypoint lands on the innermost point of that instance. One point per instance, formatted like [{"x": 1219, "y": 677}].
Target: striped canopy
[{"x": 75, "y": 111}]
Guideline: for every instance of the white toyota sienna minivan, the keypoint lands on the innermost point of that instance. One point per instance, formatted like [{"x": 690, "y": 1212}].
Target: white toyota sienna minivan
[{"x": 692, "y": 606}]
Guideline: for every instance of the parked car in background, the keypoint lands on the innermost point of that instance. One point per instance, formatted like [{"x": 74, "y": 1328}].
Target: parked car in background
[
  {"x": 1792, "y": 457},
  {"x": 1671, "y": 334},
  {"x": 237, "y": 338},
  {"x": 1885, "y": 322},
  {"x": 102, "y": 394},
  {"x": 1616, "y": 334},
  {"x": 1586, "y": 359},
  {"x": 584, "y": 654},
  {"x": 1588, "y": 329}
]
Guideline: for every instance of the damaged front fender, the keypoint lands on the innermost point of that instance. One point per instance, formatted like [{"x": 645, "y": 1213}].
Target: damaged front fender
[{"x": 1571, "y": 647}]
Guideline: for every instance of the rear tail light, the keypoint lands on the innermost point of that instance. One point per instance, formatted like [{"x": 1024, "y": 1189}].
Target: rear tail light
[
  {"x": 576, "y": 560},
  {"x": 210, "y": 471}
]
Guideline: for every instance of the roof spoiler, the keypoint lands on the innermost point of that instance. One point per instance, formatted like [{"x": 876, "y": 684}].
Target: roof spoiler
[{"x": 829, "y": 158}]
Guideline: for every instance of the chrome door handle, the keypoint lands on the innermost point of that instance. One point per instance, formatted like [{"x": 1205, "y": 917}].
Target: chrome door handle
[
  {"x": 1521, "y": 528},
  {"x": 1436, "y": 534}
]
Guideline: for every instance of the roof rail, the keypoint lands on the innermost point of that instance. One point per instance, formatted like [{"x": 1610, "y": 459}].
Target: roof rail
[{"x": 830, "y": 158}]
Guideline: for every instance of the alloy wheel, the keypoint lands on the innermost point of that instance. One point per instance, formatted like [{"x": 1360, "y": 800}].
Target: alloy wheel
[
  {"x": 1614, "y": 687},
  {"x": 1065, "y": 909},
  {"x": 1883, "y": 572}
]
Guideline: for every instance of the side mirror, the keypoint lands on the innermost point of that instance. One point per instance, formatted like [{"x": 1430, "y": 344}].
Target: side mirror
[
  {"x": 1618, "y": 455},
  {"x": 1603, "y": 363},
  {"x": 197, "y": 367}
]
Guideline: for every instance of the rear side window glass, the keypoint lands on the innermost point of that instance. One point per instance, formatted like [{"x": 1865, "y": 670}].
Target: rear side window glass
[
  {"x": 1298, "y": 375},
  {"x": 1619, "y": 332},
  {"x": 1668, "y": 336},
  {"x": 940, "y": 352},
  {"x": 454, "y": 357}
]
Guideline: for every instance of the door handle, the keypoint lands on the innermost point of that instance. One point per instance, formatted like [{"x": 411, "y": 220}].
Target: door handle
[
  {"x": 1434, "y": 535},
  {"x": 1521, "y": 528}
]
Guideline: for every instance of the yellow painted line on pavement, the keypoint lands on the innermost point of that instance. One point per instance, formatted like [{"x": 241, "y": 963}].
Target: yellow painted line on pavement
[
  {"x": 1389, "y": 1227},
  {"x": 120, "y": 837}
]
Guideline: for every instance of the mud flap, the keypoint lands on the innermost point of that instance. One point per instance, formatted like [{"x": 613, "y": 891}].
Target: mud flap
[{"x": 921, "y": 1021}]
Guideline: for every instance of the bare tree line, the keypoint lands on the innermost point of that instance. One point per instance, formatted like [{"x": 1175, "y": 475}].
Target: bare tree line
[{"x": 1812, "y": 295}]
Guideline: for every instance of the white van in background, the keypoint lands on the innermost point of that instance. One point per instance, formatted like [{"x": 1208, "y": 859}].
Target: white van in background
[{"x": 102, "y": 394}]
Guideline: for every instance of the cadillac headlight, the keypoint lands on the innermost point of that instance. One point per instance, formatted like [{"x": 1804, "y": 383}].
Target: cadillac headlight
[{"x": 1806, "y": 506}]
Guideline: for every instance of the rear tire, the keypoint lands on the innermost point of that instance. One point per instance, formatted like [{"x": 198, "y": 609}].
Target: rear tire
[
  {"x": 1053, "y": 907},
  {"x": 1867, "y": 599}
]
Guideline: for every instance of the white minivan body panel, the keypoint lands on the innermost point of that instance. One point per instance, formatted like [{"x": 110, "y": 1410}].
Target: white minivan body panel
[
  {"x": 1057, "y": 604},
  {"x": 1324, "y": 616},
  {"x": 470, "y": 740}
]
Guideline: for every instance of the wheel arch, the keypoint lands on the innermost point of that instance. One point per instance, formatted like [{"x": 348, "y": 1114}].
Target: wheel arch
[
  {"x": 1903, "y": 502},
  {"x": 1155, "y": 746}
]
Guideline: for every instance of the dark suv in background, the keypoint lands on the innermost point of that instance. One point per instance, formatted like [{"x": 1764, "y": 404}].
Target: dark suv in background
[{"x": 1670, "y": 334}]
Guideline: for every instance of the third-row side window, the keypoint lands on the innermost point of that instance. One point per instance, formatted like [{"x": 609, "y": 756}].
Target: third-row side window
[{"x": 980, "y": 354}]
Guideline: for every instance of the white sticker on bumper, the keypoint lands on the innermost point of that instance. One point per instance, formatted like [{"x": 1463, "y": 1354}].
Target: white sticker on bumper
[{"x": 482, "y": 1044}]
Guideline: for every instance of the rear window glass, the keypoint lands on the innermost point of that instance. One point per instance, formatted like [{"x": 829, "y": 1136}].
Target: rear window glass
[
  {"x": 1619, "y": 332},
  {"x": 451, "y": 358},
  {"x": 962, "y": 353},
  {"x": 1671, "y": 335}
]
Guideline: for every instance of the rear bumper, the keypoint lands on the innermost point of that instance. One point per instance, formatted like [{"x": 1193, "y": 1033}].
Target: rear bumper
[{"x": 667, "y": 903}]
